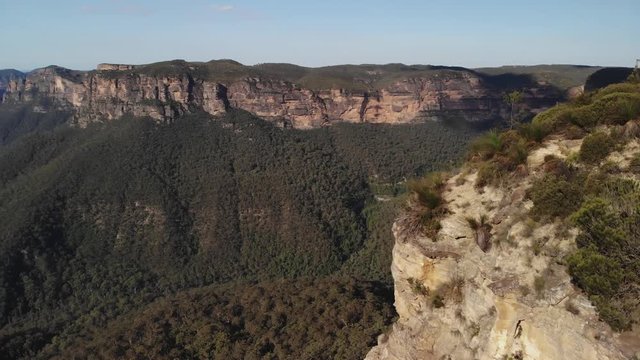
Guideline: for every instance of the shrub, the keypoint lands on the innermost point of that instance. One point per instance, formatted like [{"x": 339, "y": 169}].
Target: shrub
[
  {"x": 554, "y": 196},
  {"x": 534, "y": 131},
  {"x": 549, "y": 119},
  {"x": 605, "y": 266},
  {"x": 596, "y": 147},
  {"x": 487, "y": 174},
  {"x": 617, "y": 88},
  {"x": 426, "y": 205},
  {"x": 618, "y": 108},
  {"x": 500, "y": 154},
  {"x": 453, "y": 290},
  {"x": 417, "y": 287},
  {"x": 595, "y": 273},
  {"x": 584, "y": 117},
  {"x": 487, "y": 145},
  {"x": 426, "y": 191},
  {"x": 612, "y": 313}
]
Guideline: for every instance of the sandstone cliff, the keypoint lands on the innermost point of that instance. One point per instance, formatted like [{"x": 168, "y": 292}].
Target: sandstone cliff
[
  {"x": 377, "y": 95},
  {"x": 7, "y": 76},
  {"x": 515, "y": 301}
]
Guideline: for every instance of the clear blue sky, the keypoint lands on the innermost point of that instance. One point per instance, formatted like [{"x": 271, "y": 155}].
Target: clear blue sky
[{"x": 81, "y": 33}]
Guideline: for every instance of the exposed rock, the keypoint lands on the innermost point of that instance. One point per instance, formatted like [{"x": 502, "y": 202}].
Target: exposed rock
[
  {"x": 503, "y": 311},
  {"x": 114, "y": 67},
  {"x": 115, "y": 90}
]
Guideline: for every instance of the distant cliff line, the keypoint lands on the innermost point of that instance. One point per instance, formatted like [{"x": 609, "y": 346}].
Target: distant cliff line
[{"x": 287, "y": 94}]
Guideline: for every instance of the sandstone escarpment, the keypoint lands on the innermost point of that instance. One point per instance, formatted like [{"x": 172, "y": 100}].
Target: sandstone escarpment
[
  {"x": 514, "y": 301},
  {"x": 114, "y": 90}
]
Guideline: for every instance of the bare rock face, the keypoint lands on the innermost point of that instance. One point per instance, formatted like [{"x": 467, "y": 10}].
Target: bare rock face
[
  {"x": 456, "y": 301},
  {"x": 114, "y": 90},
  {"x": 114, "y": 67}
]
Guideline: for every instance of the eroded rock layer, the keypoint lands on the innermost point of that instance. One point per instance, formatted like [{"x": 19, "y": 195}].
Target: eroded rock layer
[{"x": 114, "y": 90}]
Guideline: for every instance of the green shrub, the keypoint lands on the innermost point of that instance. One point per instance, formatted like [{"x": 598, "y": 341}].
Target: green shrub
[
  {"x": 499, "y": 155},
  {"x": 487, "y": 175},
  {"x": 605, "y": 265},
  {"x": 595, "y": 273},
  {"x": 426, "y": 190},
  {"x": 487, "y": 145},
  {"x": 618, "y": 108},
  {"x": 596, "y": 147},
  {"x": 554, "y": 196},
  {"x": 426, "y": 205},
  {"x": 534, "y": 131},
  {"x": 549, "y": 119},
  {"x": 417, "y": 287},
  {"x": 617, "y": 88},
  {"x": 584, "y": 117}
]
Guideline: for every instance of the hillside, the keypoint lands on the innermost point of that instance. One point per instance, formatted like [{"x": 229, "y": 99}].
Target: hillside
[
  {"x": 560, "y": 76},
  {"x": 530, "y": 251}
]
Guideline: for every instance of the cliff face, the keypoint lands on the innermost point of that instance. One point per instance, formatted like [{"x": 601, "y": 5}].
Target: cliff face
[
  {"x": 506, "y": 303},
  {"x": 114, "y": 90},
  {"x": 7, "y": 76}
]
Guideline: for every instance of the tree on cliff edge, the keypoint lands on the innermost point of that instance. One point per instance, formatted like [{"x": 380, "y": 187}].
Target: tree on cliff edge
[{"x": 512, "y": 99}]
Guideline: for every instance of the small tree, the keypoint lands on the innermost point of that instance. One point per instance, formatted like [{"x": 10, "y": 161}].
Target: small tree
[{"x": 512, "y": 99}]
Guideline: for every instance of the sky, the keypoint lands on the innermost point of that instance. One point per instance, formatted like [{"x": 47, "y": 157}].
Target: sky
[{"x": 79, "y": 34}]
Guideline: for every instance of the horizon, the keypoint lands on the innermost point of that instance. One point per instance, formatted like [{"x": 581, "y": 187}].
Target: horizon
[
  {"x": 79, "y": 34},
  {"x": 26, "y": 71}
]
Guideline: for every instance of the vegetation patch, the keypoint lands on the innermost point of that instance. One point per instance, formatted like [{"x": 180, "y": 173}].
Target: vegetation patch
[
  {"x": 595, "y": 147},
  {"x": 426, "y": 205},
  {"x": 498, "y": 155},
  {"x": 555, "y": 196},
  {"x": 606, "y": 264}
]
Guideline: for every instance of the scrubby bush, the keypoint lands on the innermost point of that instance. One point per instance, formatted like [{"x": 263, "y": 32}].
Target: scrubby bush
[
  {"x": 594, "y": 272},
  {"x": 554, "y": 196},
  {"x": 487, "y": 174},
  {"x": 595, "y": 147},
  {"x": 626, "y": 87},
  {"x": 615, "y": 104},
  {"x": 534, "y": 131},
  {"x": 498, "y": 155},
  {"x": 417, "y": 287},
  {"x": 426, "y": 205},
  {"x": 549, "y": 119},
  {"x": 583, "y": 117},
  {"x": 618, "y": 108},
  {"x": 606, "y": 265},
  {"x": 487, "y": 145}
]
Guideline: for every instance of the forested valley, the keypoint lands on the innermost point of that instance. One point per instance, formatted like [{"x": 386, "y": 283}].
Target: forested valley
[{"x": 203, "y": 238}]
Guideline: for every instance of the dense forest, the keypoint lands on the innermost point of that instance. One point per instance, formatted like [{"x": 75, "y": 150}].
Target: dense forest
[{"x": 103, "y": 221}]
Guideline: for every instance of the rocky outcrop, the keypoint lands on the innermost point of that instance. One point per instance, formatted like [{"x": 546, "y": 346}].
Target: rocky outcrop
[
  {"x": 456, "y": 301},
  {"x": 114, "y": 90},
  {"x": 114, "y": 67},
  {"x": 7, "y": 76}
]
